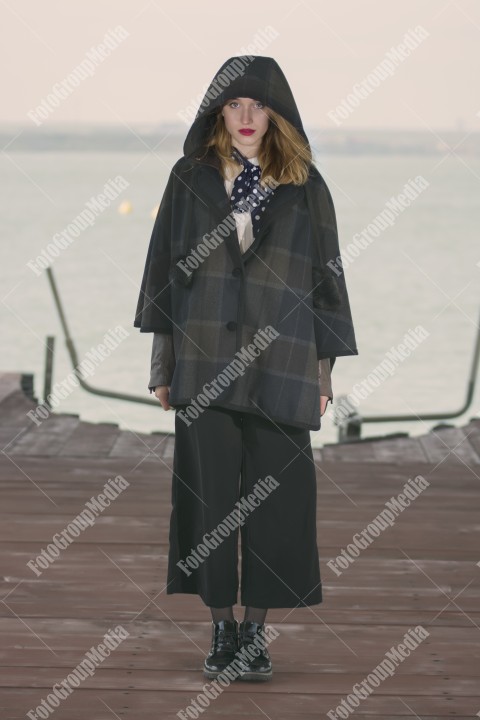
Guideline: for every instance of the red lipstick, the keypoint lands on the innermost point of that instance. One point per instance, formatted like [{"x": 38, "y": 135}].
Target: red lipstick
[{"x": 246, "y": 131}]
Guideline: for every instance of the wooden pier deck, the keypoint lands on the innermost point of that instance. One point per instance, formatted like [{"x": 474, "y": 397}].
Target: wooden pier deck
[{"x": 422, "y": 571}]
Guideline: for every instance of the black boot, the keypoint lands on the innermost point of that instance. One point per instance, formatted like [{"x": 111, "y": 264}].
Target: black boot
[
  {"x": 224, "y": 647},
  {"x": 260, "y": 666}
]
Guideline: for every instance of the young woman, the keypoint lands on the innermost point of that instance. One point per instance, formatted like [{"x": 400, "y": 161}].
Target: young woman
[{"x": 245, "y": 294}]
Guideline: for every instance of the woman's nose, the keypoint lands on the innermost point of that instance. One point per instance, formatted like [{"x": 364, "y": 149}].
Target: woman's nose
[{"x": 246, "y": 116}]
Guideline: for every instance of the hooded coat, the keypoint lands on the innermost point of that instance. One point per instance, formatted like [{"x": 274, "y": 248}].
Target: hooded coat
[{"x": 247, "y": 329}]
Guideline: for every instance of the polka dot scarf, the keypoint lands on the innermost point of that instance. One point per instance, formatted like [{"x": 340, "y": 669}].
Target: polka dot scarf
[{"x": 247, "y": 194}]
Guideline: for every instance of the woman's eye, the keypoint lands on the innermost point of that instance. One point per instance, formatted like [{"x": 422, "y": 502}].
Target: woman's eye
[{"x": 257, "y": 104}]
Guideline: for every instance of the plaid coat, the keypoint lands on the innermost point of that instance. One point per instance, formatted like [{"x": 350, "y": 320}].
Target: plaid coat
[{"x": 247, "y": 330}]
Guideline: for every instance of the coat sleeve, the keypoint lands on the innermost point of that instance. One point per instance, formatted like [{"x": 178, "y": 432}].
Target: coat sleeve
[
  {"x": 333, "y": 324},
  {"x": 162, "y": 361},
  {"x": 325, "y": 378},
  {"x": 324, "y": 291},
  {"x": 154, "y": 313}
]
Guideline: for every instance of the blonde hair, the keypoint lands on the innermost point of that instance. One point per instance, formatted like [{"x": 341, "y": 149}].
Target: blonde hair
[{"x": 284, "y": 156}]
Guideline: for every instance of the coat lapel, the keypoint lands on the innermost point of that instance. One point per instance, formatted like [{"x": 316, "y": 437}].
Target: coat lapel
[
  {"x": 209, "y": 187},
  {"x": 281, "y": 201}
]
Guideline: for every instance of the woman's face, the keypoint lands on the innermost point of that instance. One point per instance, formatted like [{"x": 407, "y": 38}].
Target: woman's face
[{"x": 247, "y": 121}]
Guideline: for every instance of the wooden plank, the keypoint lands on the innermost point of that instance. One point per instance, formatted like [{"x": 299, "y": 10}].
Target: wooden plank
[
  {"x": 448, "y": 444},
  {"x": 236, "y": 703},
  {"x": 91, "y": 440},
  {"x": 339, "y": 684},
  {"x": 355, "y": 452},
  {"x": 115, "y": 521},
  {"x": 398, "y": 449},
  {"x": 45, "y": 439},
  {"x": 138, "y": 445}
]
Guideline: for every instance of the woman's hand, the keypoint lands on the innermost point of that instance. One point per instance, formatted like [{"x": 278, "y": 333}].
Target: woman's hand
[
  {"x": 162, "y": 392},
  {"x": 323, "y": 404}
]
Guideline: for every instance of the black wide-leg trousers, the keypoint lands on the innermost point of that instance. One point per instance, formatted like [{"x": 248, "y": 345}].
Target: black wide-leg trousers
[{"x": 218, "y": 459}]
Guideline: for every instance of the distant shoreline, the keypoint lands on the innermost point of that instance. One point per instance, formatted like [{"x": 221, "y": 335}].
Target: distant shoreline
[{"x": 170, "y": 138}]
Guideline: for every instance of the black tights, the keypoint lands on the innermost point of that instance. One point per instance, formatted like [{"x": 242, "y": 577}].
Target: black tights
[{"x": 252, "y": 614}]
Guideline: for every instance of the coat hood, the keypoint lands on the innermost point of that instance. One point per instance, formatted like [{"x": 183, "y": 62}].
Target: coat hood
[{"x": 257, "y": 77}]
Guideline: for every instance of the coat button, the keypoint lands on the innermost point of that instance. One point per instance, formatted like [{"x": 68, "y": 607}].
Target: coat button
[
  {"x": 231, "y": 325},
  {"x": 236, "y": 271}
]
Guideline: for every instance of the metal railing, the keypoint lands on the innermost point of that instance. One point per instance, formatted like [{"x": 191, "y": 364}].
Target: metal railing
[
  {"x": 346, "y": 416},
  {"x": 74, "y": 357},
  {"x": 350, "y": 421}
]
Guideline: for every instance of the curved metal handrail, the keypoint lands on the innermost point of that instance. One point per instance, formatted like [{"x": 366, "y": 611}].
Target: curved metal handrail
[
  {"x": 74, "y": 357},
  {"x": 362, "y": 418}
]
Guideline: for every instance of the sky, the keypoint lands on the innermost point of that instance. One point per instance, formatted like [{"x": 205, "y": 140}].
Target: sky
[{"x": 164, "y": 55}]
